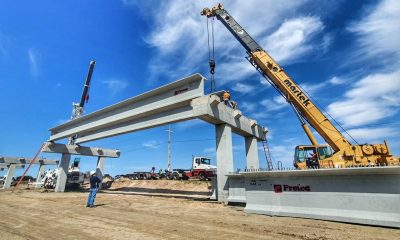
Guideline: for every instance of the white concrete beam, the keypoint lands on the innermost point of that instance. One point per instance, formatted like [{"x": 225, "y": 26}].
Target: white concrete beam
[
  {"x": 158, "y": 100},
  {"x": 23, "y": 160},
  {"x": 179, "y": 101},
  {"x": 51, "y": 147}
]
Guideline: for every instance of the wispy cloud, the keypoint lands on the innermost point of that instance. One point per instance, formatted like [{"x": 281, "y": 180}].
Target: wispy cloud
[
  {"x": 373, "y": 98},
  {"x": 115, "y": 86},
  {"x": 33, "y": 56},
  {"x": 277, "y": 103},
  {"x": 373, "y": 135},
  {"x": 378, "y": 33},
  {"x": 293, "y": 39},
  {"x": 151, "y": 144},
  {"x": 209, "y": 150},
  {"x": 243, "y": 88},
  {"x": 181, "y": 42},
  {"x": 190, "y": 124}
]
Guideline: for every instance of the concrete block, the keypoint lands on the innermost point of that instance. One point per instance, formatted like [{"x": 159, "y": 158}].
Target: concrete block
[
  {"x": 237, "y": 192},
  {"x": 361, "y": 195},
  {"x": 237, "y": 114}
]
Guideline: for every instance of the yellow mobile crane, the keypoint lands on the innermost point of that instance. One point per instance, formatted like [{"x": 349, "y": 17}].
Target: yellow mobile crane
[{"x": 344, "y": 154}]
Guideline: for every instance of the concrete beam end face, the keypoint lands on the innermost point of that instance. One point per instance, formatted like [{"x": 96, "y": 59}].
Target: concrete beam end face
[
  {"x": 253, "y": 123},
  {"x": 237, "y": 114}
]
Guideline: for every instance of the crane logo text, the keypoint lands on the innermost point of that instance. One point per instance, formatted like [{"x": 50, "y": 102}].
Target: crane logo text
[{"x": 297, "y": 92}]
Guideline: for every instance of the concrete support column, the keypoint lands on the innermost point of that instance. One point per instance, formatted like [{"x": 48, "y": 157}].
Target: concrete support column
[
  {"x": 62, "y": 172},
  {"x": 252, "y": 160},
  {"x": 100, "y": 168},
  {"x": 42, "y": 170},
  {"x": 9, "y": 176},
  {"x": 224, "y": 160}
]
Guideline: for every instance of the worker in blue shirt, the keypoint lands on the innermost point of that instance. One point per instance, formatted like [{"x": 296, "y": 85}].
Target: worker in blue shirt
[{"x": 94, "y": 186}]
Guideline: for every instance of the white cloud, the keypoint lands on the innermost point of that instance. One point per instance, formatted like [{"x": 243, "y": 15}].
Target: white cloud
[
  {"x": 190, "y": 124},
  {"x": 151, "y": 144},
  {"x": 115, "y": 86},
  {"x": 247, "y": 107},
  {"x": 243, "y": 88},
  {"x": 294, "y": 38},
  {"x": 379, "y": 32},
  {"x": 373, "y": 135},
  {"x": 179, "y": 36},
  {"x": 209, "y": 150},
  {"x": 33, "y": 56},
  {"x": 277, "y": 103},
  {"x": 373, "y": 98},
  {"x": 282, "y": 153},
  {"x": 336, "y": 80}
]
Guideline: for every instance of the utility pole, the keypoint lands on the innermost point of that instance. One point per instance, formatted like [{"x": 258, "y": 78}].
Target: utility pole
[{"x": 169, "y": 148}]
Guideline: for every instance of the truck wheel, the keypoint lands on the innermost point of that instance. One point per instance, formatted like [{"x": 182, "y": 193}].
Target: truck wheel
[
  {"x": 202, "y": 176},
  {"x": 175, "y": 176}
]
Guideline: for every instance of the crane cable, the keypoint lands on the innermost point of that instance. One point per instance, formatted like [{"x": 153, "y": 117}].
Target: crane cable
[{"x": 211, "y": 59}]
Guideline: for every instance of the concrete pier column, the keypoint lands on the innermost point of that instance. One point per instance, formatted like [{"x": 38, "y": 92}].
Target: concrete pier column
[
  {"x": 42, "y": 170},
  {"x": 224, "y": 160},
  {"x": 252, "y": 160},
  {"x": 62, "y": 172},
  {"x": 9, "y": 176},
  {"x": 100, "y": 168}
]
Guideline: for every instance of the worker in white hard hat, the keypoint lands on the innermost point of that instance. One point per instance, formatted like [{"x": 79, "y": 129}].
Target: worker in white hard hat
[{"x": 94, "y": 186}]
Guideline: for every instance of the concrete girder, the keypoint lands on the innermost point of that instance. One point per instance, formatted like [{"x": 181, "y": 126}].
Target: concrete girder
[
  {"x": 15, "y": 160},
  {"x": 179, "y": 101},
  {"x": 158, "y": 100},
  {"x": 51, "y": 147}
]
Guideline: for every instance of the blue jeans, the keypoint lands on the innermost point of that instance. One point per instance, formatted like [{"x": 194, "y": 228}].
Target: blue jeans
[{"x": 92, "y": 196}]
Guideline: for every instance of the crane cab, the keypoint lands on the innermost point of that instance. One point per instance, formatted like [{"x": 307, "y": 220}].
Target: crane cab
[{"x": 308, "y": 156}]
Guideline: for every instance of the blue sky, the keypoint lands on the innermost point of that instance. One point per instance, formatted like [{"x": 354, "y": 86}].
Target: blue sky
[{"x": 346, "y": 54}]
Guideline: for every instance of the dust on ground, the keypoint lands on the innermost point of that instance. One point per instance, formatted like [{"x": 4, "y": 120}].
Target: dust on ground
[{"x": 158, "y": 209}]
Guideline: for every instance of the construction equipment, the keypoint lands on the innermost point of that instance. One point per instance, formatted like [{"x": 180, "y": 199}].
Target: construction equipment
[
  {"x": 77, "y": 108},
  {"x": 344, "y": 153},
  {"x": 201, "y": 169}
]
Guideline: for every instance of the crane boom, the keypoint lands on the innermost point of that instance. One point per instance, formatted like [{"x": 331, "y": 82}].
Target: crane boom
[
  {"x": 282, "y": 82},
  {"x": 345, "y": 154}
]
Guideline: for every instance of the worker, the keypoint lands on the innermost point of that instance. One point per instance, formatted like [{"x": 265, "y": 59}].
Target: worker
[
  {"x": 227, "y": 98},
  {"x": 94, "y": 186},
  {"x": 234, "y": 104},
  {"x": 313, "y": 155}
]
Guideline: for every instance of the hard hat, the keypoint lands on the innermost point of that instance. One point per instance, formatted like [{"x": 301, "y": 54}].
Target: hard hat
[{"x": 92, "y": 172}]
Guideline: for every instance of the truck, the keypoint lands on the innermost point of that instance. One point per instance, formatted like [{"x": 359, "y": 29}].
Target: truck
[
  {"x": 338, "y": 152},
  {"x": 201, "y": 169},
  {"x": 75, "y": 178},
  {"x": 74, "y": 175}
]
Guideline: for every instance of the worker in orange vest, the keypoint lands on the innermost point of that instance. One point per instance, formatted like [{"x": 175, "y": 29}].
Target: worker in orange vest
[{"x": 227, "y": 98}]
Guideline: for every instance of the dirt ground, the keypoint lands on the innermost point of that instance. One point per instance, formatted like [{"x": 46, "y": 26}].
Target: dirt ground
[{"x": 156, "y": 210}]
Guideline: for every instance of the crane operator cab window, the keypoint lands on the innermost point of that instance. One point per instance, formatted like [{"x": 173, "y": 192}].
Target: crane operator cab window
[{"x": 310, "y": 155}]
